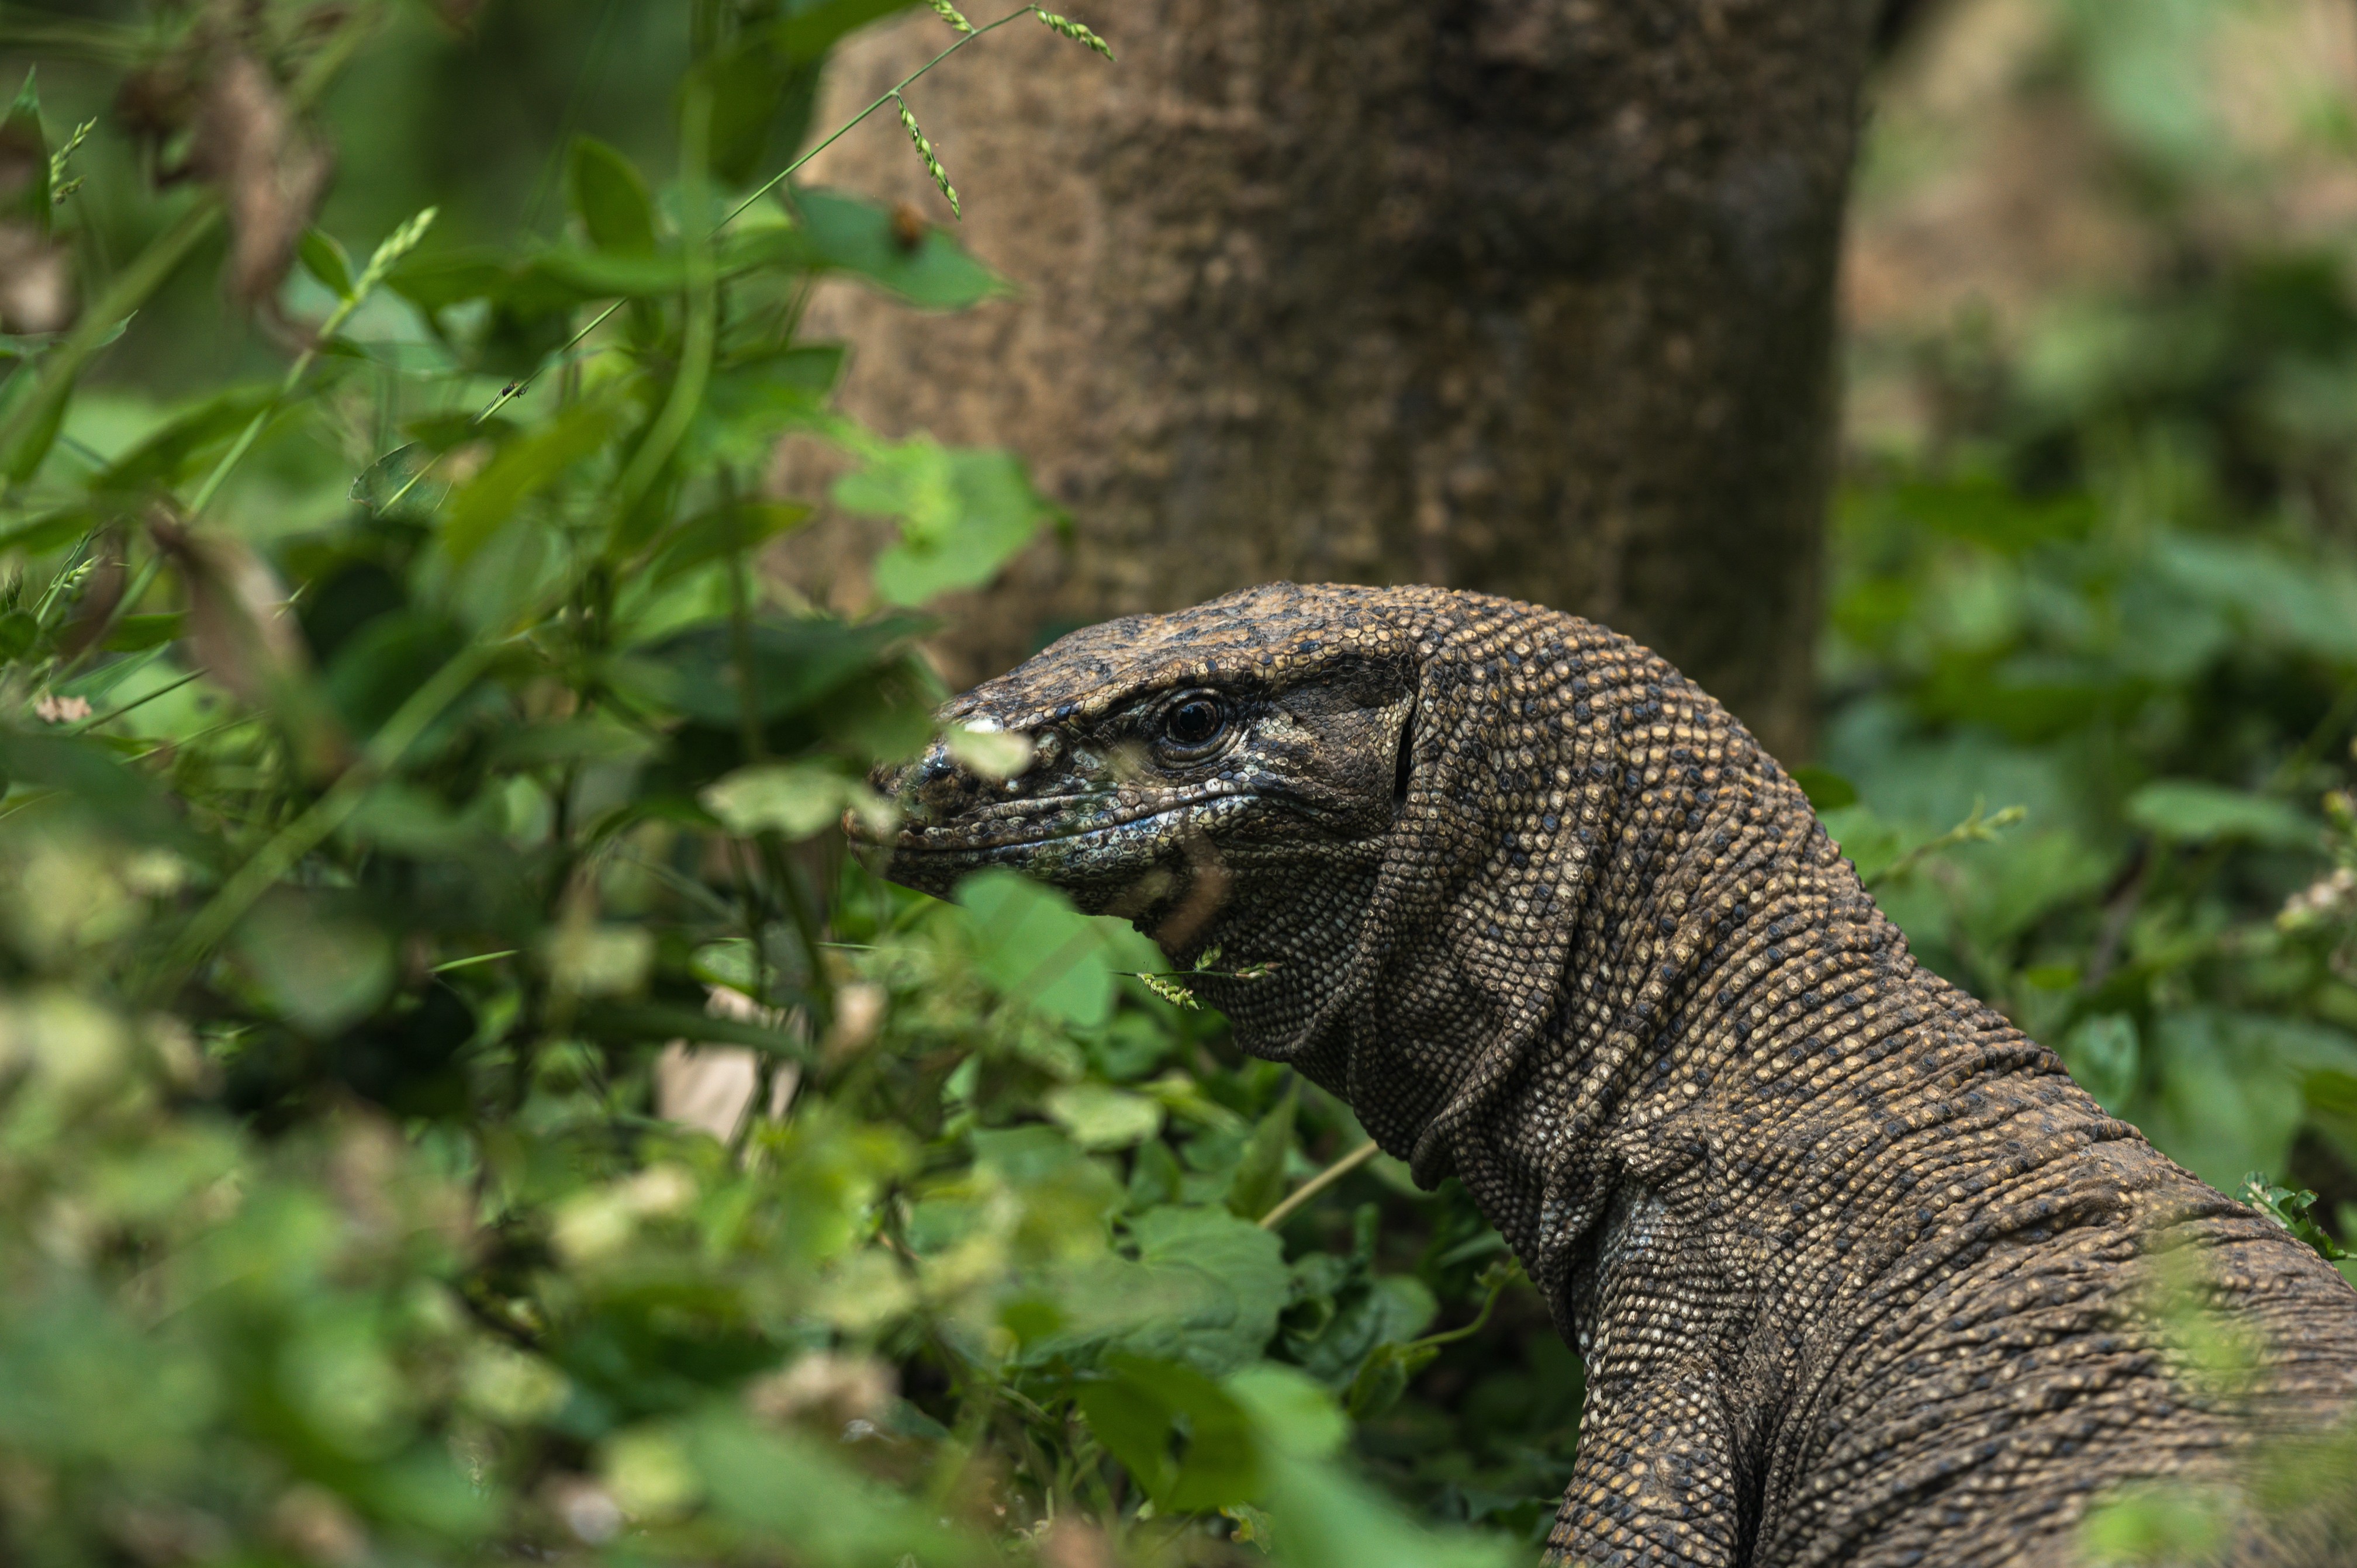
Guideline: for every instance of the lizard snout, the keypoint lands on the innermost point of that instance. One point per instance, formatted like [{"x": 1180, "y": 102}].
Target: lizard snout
[{"x": 930, "y": 790}]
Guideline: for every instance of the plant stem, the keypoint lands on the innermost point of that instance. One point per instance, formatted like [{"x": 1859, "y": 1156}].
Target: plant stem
[
  {"x": 1319, "y": 1183},
  {"x": 886, "y": 97},
  {"x": 687, "y": 386}
]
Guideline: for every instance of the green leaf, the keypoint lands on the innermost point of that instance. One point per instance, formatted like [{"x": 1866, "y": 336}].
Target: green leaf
[
  {"x": 21, "y": 461},
  {"x": 610, "y": 198},
  {"x": 1183, "y": 1437},
  {"x": 1383, "y": 1377},
  {"x": 1988, "y": 511},
  {"x": 793, "y": 1494},
  {"x": 752, "y": 401},
  {"x": 2104, "y": 1053},
  {"x": 2194, "y": 812},
  {"x": 1827, "y": 791},
  {"x": 51, "y": 530},
  {"x": 184, "y": 446},
  {"x": 23, "y": 143},
  {"x": 722, "y": 532},
  {"x": 797, "y": 662},
  {"x": 132, "y": 633},
  {"x": 1327, "y": 1519},
  {"x": 1035, "y": 948},
  {"x": 598, "y": 738},
  {"x": 810, "y": 29},
  {"x": 325, "y": 259},
  {"x": 1100, "y": 1117},
  {"x": 2228, "y": 1101},
  {"x": 748, "y": 85},
  {"x": 19, "y": 629},
  {"x": 91, "y": 783},
  {"x": 793, "y": 799},
  {"x": 962, "y": 513},
  {"x": 395, "y": 484},
  {"x": 1294, "y": 1413},
  {"x": 1205, "y": 1290},
  {"x": 1259, "y": 1174},
  {"x": 522, "y": 470},
  {"x": 848, "y": 235}
]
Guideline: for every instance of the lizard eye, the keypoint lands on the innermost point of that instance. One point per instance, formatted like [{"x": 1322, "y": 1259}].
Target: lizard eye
[{"x": 1192, "y": 727}]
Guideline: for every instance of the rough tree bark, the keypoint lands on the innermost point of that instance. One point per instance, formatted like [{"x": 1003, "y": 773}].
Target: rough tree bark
[{"x": 1533, "y": 297}]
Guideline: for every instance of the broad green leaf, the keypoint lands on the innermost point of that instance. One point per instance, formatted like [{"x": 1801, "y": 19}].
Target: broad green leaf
[
  {"x": 2104, "y": 1055},
  {"x": 2192, "y": 812},
  {"x": 1293, "y": 1412},
  {"x": 610, "y": 198},
  {"x": 1259, "y": 1174},
  {"x": 1988, "y": 511},
  {"x": 1246, "y": 1260},
  {"x": 50, "y": 531},
  {"x": 1326, "y": 1518},
  {"x": 397, "y": 485},
  {"x": 2229, "y": 1102},
  {"x": 522, "y": 470},
  {"x": 747, "y": 84},
  {"x": 1137, "y": 1411},
  {"x": 993, "y": 754},
  {"x": 19, "y": 629},
  {"x": 1828, "y": 791},
  {"x": 846, "y": 234},
  {"x": 797, "y": 660},
  {"x": 133, "y": 632},
  {"x": 597, "y": 738},
  {"x": 184, "y": 446},
  {"x": 812, "y": 28},
  {"x": 88, "y": 781},
  {"x": 377, "y": 667},
  {"x": 1383, "y": 1377},
  {"x": 1035, "y": 948},
  {"x": 1205, "y": 1290},
  {"x": 793, "y": 799},
  {"x": 722, "y": 532},
  {"x": 962, "y": 513},
  {"x": 1099, "y": 1117},
  {"x": 325, "y": 259},
  {"x": 796, "y": 1494},
  {"x": 752, "y": 401}
]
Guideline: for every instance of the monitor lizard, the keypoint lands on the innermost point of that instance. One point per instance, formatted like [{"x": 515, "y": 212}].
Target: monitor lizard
[{"x": 1859, "y": 1274}]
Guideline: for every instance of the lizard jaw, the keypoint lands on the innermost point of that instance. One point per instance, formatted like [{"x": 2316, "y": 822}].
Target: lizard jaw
[{"x": 1089, "y": 855}]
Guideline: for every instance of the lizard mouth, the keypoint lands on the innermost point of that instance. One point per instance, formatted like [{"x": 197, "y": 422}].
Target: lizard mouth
[
  {"x": 1022, "y": 824},
  {"x": 1017, "y": 825},
  {"x": 1064, "y": 838}
]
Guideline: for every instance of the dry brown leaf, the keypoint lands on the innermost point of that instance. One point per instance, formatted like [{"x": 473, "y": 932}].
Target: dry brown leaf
[
  {"x": 239, "y": 629},
  {"x": 37, "y": 293},
  {"x": 271, "y": 173}
]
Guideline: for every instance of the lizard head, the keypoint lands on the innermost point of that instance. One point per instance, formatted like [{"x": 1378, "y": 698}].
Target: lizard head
[
  {"x": 1378, "y": 805},
  {"x": 1195, "y": 772}
]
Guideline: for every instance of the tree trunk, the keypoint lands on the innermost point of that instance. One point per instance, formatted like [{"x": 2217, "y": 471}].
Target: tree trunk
[{"x": 1533, "y": 297}]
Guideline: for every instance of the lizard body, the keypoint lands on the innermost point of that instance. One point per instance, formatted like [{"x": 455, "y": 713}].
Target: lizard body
[{"x": 1859, "y": 1274}]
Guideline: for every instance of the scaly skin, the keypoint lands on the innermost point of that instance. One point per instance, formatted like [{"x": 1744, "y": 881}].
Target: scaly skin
[{"x": 1861, "y": 1276}]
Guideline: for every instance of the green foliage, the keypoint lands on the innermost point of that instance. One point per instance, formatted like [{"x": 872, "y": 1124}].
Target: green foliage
[{"x": 406, "y": 757}]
